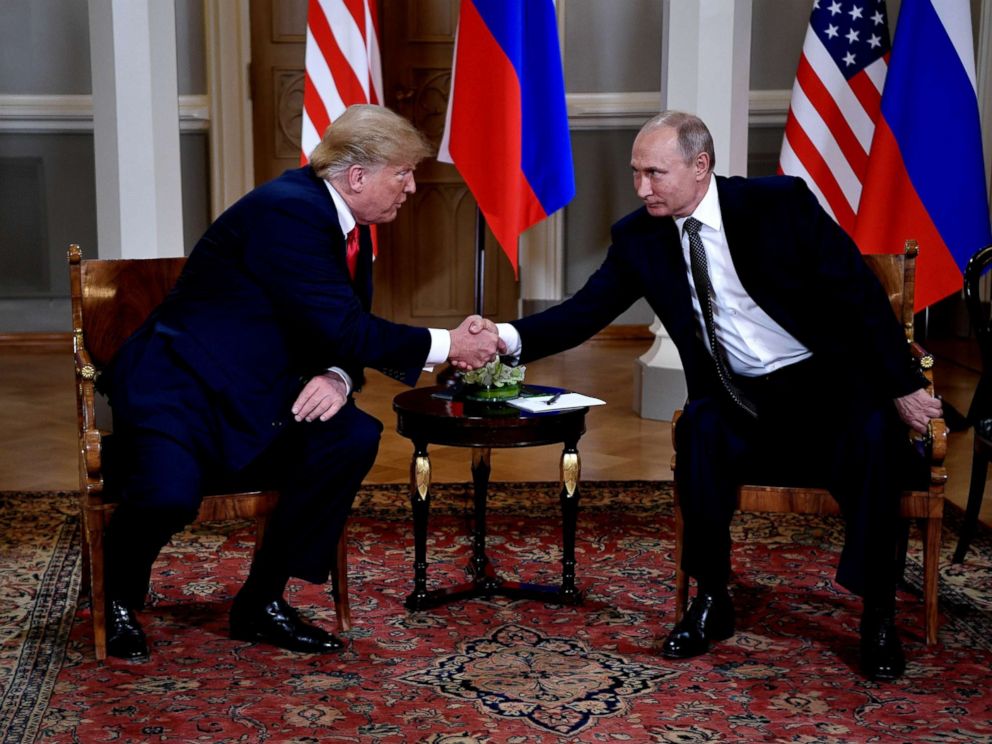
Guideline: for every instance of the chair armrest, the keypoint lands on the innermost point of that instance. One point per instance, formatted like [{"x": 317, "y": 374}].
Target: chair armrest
[
  {"x": 90, "y": 437},
  {"x": 924, "y": 360}
]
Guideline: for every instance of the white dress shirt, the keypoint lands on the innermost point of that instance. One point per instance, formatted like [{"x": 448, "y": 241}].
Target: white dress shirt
[{"x": 754, "y": 343}]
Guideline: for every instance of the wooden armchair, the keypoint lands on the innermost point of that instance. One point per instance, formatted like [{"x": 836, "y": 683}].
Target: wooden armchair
[
  {"x": 897, "y": 274},
  {"x": 110, "y": 299}
]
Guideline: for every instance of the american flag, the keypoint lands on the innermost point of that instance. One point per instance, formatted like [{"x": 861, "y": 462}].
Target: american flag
[
  {"x": 835, "y": 102},
  {"x": 342, "y": 64}
]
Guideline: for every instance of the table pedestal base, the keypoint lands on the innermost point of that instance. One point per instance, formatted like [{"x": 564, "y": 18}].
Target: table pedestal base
[{"x": 485, "y": 582}]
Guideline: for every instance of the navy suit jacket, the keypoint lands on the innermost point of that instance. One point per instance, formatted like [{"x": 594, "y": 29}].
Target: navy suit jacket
[
  {"x": 792, "y": 258},
  {"x": 264, "y": 303}
]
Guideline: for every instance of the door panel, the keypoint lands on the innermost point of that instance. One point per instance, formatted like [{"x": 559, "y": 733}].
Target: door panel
[{"x": 278, "y": 47}]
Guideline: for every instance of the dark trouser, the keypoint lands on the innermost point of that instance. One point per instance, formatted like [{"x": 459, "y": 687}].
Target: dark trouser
[
  {"x": 317, "y": 467},
  {"x": 812, "y": 430}
]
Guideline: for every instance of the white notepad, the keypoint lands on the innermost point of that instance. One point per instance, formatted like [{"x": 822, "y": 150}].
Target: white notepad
[{"x": 567, "y": 401}]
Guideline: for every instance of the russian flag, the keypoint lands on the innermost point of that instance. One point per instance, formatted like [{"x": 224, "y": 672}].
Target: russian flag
[
  {"x": 925, "y": 175},
  {"x": 507, "y": 126}
]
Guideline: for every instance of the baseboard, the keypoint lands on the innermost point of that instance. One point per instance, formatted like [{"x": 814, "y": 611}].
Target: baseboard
[{"x": 36, "y": 341}]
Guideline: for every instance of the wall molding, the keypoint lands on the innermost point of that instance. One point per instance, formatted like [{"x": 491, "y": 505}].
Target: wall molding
[
  {"x": 36, "y": 342},
  {"x": 768, "y": 108},
  {"x": 586, "y": 111},
  {"x": 611, "y": 110},
  {"x": 29, "y": 114}
]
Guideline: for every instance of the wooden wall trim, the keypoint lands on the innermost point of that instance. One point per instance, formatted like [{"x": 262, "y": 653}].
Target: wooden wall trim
[{"x": 36, "y": 341}]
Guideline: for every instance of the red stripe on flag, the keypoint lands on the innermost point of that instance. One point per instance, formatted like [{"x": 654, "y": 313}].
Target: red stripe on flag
[
  {"x": 868, "y": 95},
  {"x": 371, "y": 5},
  {"x": 315, "y": 108},
  {"x": 347, "y": 84},
  {"x": 884, "y": 227},
  {"x": 374, "y": 13},
  {"x": 357, "y": 10},
  {"x": 820, "y": 172},
  {"x": 492, "y": 172},
  {"x": 834, "y": 118}
]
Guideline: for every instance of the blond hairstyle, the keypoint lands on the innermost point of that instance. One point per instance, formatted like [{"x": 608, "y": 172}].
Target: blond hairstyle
[
  {"x": 693, "y": 135},
  {"x": 370, "y": 136}
]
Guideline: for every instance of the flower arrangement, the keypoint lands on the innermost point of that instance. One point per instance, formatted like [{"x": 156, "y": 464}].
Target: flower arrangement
[{"x": 494, "y": 381}]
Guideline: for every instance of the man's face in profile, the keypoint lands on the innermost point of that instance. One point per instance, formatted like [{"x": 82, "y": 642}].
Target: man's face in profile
[
  {"x": 665, "y": 182},
  {"x": 385, "y": 188}
]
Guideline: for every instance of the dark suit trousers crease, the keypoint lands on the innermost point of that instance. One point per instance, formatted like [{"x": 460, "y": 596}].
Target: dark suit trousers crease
[
  {"x": 316, "y": 466},
  {"x": 813, "y": 429}
]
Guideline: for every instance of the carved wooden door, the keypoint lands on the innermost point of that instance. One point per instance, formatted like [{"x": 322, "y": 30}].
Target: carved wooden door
[
  {"x": 278, "y": 41},
  {"x": 424, "y": 274}
]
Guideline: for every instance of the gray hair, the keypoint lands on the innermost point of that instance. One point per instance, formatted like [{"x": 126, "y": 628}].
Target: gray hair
[
  {"x": 370, "y": 136},
  {"x": 693, "y": 135}
]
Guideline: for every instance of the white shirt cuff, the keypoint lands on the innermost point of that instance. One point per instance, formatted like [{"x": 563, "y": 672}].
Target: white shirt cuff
[
  {"x": 344, "y": 376},
  {"x": 510, "y": 337},
  {"x": 440, "y": 348}
]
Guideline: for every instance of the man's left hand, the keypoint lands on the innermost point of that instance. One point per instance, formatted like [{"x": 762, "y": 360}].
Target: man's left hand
[
  {"x": 918, "y": 408},
  {"x": 320, "y": 398}
]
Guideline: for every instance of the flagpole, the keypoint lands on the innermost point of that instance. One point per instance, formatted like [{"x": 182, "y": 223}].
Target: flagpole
[{"x": 480, "y": 261}]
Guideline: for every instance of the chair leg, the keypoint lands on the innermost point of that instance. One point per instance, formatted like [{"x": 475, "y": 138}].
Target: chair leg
[
  {"x": 339, "y": 582},
  {"x": 931, "y": 564},
  {"x": 93, "y": 548},
  {"x": 979, "y": 470},
  {"x": 902, "y": 547},
  {"x": 681, "y": 579}
]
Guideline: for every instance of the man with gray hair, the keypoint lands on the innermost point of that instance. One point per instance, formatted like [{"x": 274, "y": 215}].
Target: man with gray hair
[
  {"x": 244, "y": 374},
  {"x": 767, "y": 300}
]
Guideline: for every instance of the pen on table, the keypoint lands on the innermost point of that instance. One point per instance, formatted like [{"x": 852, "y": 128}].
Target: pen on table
[{"x": 553, "y": 399}]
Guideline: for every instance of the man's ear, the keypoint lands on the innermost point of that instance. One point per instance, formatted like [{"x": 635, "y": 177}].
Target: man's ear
[
  {"x": 702, "y": 164},
  {"x": 356, "y": 178}
]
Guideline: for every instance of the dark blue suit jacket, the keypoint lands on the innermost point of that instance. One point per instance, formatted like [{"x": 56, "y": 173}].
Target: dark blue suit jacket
[
  {"x": 793, "y": 260},
  {"x": 264, "y": 303}
]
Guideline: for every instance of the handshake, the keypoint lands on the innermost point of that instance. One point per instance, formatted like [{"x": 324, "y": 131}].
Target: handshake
[{"x": 474, "y": 343}]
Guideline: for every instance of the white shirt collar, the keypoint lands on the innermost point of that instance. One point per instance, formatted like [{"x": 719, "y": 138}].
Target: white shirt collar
[
  {"x": 345, "y": 218},
  {"x": 707, "y": 211}
]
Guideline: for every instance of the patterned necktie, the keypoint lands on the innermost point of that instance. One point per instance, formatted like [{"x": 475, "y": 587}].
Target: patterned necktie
[
  {"x": 351, "y": 254},
  {"x": 704, "y": 291}
]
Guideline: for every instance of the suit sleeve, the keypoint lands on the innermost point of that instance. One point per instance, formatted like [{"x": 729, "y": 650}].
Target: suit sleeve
[
  {"x": 851, "y": 296},
  {"x": 608, "y": 292},
  {"x": 290, "y": 252}
]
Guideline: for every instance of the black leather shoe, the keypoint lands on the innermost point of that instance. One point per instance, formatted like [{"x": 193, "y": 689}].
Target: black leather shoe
[
  {"x": 125, "y": 638},
  {"x": 278, "y": 624},
  {"x": 710, "y": 618},
  {"x": 881, "y": 650}
]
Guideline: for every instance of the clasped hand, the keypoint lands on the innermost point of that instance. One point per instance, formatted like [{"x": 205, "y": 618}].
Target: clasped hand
[{"x": 474, "y": 342}]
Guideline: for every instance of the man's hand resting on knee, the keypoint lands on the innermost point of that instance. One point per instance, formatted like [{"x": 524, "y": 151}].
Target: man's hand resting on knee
[{"x": 320, "y": 398}]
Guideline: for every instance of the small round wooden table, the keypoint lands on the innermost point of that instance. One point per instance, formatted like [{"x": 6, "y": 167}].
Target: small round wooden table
[{"x": 430, "y": 416}]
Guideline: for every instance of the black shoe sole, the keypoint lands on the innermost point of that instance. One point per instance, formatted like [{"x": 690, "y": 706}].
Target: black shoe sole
[
  {"x": 255, "y": 636},
  {"x": 131, "y": 656}
]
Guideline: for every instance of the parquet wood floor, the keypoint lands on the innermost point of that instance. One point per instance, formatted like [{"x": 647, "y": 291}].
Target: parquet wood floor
[{"x": 37, "y": 434}]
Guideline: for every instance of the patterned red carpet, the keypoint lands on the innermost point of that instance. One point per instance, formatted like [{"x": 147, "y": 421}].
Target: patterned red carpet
[{"x": 491, "y": 670}]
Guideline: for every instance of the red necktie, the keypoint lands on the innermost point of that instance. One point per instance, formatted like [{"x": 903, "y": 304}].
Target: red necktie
[{"x": 351, "y": 254}]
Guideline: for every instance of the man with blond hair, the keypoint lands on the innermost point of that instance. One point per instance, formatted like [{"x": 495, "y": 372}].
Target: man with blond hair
[{"x": 245, "y": 373}]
